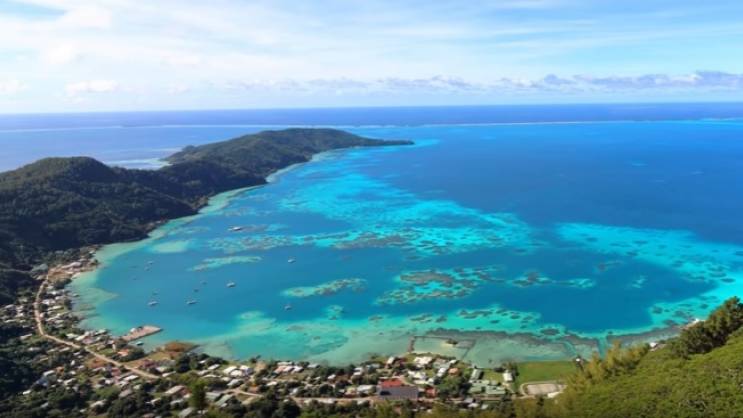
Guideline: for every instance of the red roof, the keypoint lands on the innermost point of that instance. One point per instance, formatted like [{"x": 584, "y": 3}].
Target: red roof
[{"x": 391, "y": 383}]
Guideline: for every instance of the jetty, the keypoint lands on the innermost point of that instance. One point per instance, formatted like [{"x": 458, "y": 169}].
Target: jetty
[{"x": 140, "y": 332}]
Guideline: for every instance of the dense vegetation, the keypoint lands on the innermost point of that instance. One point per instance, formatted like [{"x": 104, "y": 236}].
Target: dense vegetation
[
  {"x": 61, "y": 203},
  {"x": 625, "y": 383},
  {"x": 698, "y": 374},
  {"x": 53, "y": 206}
]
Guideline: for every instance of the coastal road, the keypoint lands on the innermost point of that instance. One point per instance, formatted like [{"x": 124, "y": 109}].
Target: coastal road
[{"x": 42, "y": 332}]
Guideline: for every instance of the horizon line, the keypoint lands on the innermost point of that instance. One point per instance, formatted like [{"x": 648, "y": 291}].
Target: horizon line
[{"x": 300, "y": 108}]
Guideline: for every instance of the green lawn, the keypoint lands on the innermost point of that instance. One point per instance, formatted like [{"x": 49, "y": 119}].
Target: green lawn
[
  {"x": 535, "y": 371},
  {"x": 491, "y": 374}
]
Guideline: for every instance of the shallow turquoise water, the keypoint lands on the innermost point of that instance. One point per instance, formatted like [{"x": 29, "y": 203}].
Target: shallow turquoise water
[{"x": 530, "y": 241}]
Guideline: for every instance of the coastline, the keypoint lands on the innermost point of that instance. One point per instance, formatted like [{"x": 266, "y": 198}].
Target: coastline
[
  {"x": 499, "y": 338},
  {"x": 101, "y": 255}
]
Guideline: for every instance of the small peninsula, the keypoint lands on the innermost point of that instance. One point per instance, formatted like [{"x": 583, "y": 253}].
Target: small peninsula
[{"x": 58, "y": 204}]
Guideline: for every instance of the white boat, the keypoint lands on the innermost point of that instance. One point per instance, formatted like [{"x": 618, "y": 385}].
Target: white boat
[
  {"x": 236, "y": 228},
  {"x": 152, "y": 303},
  {"x": 291, "y": 260},
  {"x": 231, "y": 284},
  {"x": 287, "y": 307},
  {"x": 191, "y": 302}
]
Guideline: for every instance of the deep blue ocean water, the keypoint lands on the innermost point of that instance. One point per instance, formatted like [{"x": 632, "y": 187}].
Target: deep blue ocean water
[{"x": 535, "y": 240}]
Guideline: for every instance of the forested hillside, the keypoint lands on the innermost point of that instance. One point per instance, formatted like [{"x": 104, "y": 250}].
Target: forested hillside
[
  {"x": 699, "y": 374},
  {"x": 62, "y": 203}
]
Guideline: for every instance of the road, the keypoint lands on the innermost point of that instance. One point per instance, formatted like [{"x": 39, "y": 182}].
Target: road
[{"x": 42, "y": 332}]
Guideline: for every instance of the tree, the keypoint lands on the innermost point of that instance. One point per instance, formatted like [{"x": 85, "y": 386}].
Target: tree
[
  {"x": 705, "y": 336},
  {"x": 198, "y": 395}
]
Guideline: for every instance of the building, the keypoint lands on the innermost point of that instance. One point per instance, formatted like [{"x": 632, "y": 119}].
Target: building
[{"x": 398, "y": 393}]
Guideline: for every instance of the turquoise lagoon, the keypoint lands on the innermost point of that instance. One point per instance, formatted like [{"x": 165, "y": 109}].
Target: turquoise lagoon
[{"x": 523, "y": 241}]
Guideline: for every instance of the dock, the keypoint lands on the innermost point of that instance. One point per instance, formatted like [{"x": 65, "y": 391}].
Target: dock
[{"x": 140, "y": 332}]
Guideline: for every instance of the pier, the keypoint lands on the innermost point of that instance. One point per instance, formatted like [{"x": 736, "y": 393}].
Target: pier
[{"x": 140, "y": 332}]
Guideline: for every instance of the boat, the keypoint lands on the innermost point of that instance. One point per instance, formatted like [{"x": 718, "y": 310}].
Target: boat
[
  {"x": 138, "y": 343},
  {"x": 196, "y": 290},
  {"x": 291, "y": 260},
  {"x": 288, "y": 307},
  {"x": 191, "y": 302},
  {"x": 152, "y": 303},
  {"x": 231, "y": 284},
  {"x": 236, "y": 228}
]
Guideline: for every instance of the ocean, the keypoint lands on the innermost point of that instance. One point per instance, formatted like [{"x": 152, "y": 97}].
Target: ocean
[{"x": 528, "y": 232}]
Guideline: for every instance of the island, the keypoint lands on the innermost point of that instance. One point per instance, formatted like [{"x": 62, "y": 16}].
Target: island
[
  {"x": 55, "y": 211},
  {"x": 61, "y": 204}
]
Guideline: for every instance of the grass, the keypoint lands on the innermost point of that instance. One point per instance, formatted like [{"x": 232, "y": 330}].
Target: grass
[
  {"x": 490, "y": 374},
  {"x": 537, "y": 371}
]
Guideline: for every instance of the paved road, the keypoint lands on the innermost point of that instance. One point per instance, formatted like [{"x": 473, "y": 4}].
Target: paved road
[{"x": 42, "y": 332}]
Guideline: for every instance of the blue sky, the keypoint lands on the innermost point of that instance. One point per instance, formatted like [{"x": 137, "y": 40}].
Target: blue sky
[{"x": 58, "y": 55}]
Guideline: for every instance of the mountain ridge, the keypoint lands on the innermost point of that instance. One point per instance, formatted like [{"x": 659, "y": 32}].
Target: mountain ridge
[{"x": 57, "y": 204}]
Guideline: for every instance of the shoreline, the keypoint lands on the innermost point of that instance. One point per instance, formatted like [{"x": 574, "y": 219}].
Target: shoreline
[
  {"x": 221, "y": 200},
  {"x": 482, "y": 338}
]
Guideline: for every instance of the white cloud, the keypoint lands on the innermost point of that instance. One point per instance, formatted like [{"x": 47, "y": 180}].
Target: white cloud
[
  {"x": 91, "y": 87},
  {"x": 88, "y": 17},
  {"x": 287, "y": 48},
  {"x": 9, "y": 87},
  {"x": 178, "y": 89},
  {"x": 61, "y": 54}
]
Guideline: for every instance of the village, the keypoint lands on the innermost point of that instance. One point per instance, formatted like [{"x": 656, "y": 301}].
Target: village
[{"x": 176, "y": 380}]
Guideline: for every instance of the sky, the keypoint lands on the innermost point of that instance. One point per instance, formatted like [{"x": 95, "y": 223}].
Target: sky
[{"x": 80, "y": 55}]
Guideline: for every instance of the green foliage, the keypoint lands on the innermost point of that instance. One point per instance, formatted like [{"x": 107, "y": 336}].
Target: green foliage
[
  {"x": 616, "y": 362},
  {"x": 16, "y": 370},
  {"x": 699, "y": 374},
  {"x": 11, "y": 282},
  {"x": 198, "y": 395},
  {"x": 62, "y": 203},
  {"x": 135, "y": 353},
  {"x": 56, "y": 402},
  {"x": 705, "y": 336},
  {"x": 270, "y": 406},
  {"x": 453, "y": 386},
  {"x": 136, "y": 404}
]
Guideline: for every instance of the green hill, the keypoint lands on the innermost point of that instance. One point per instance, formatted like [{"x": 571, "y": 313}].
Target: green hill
[
  {"x": 63, "y": 203},
  {"x": 699, "y": 375}
]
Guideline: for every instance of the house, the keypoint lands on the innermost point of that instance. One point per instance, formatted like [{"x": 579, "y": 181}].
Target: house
[
  {"x": 174, "y": 390},
  {"x": 423, "y": 361},
  {"x": 213, "y": 396},
  {"x": 224, "y": 400},
  {"x": 390, "y": 383},
  {"x": 486, "y": 389},
  {"x": 366, "y": 389},
  {"x": 476, "y": 374},
  {"x": 97, "y": 405},
  {"x": 507, "y": 377},
  {"x": 398, "y": 393},
  {"x": 186, "y": 412}
]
